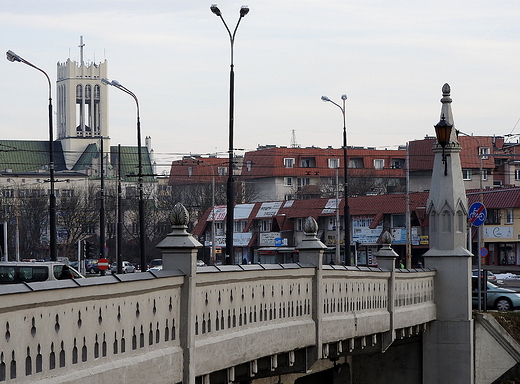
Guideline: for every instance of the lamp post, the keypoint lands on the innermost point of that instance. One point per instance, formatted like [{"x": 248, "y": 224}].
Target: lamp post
[
  {"x": 118, "y": 85},
  {"x": 230, "y": 192},
  {"x": 11, "y": 56},
  {"x": 346, "y": 211}
]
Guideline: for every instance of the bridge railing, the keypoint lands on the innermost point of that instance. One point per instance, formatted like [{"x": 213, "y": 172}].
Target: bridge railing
[{"x": 78, "y": 330}]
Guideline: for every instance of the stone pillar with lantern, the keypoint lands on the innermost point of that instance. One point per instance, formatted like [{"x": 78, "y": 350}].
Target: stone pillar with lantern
[{"x": 448, "y": 341}]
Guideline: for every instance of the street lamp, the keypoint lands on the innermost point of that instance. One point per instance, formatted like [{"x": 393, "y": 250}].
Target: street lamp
[
  {"x": 118, "y": 85},
  {"x": 11, "y": 56},
  {"x": 346, "y": 211},
  {"x": 443, "y": 133},
  {"x": 230, "y": 192}
]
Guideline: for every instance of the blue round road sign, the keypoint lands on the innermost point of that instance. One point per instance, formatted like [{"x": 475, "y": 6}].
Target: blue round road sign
[{"x": 477, "y": 214}]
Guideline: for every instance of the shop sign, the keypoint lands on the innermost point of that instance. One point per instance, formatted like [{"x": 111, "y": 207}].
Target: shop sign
[
  {"x": 268, "y": 239},
  {"x": 498, "y": 232}
]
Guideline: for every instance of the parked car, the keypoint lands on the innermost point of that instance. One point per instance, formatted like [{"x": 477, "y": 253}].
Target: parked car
[
  {"x": 501, "y": 299},
  {"x": 13, "y": 272},
  {"x": 91, "y": 266},
  {"x": 127, "y": 266},
  {"x": 200, "y": 263},
  {"x": 154, "y": 263},
  {"x": 490, "y": 275}
]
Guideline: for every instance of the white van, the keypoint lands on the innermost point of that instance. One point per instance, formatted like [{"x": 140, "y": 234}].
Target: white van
[{"x": 13, "y": 272}]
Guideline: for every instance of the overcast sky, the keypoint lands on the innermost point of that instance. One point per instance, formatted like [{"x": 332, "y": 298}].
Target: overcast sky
[{"x": 390, "y": 58}]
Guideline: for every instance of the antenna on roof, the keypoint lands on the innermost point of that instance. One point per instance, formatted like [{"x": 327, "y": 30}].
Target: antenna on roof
[
  {"x": 81, "y": 45},
  {"x": 293, "y": 140}
]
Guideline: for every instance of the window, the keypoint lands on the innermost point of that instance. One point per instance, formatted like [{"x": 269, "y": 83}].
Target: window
[
  {"x": 287, "y": 181},
  {"x": 67, "y": 192},
  {"x": 264, "y": 226},
  {"x": 88, "y": 91},
  {"x": 8, "y": 192},
  {"x": 219, "y": 228},
  {"x": 333, "y": 163},
  {"x": 239, "y": 226},
  {"x": 222, "y": 171},
  {"x": 332, "y": 224},
  {"x": 308, "y": 162},
  {"x": 397, "y": 164},
  {"x": 288, "y": 162},
  {"x": 398, "y": 221},
  {"x": 190, "y": 171},
  {"x": 466, "y": 174},
  {"x": 379, "y": 163},
  {"x": 484, "y": 174},
  {"x": 493, "y": 217},
  {"x": 355, "y": 163},
  {"x": 517, "y": 174},
  {"x": 249, "y": 165},
  {"x": 509, "y": 216},
  {"x": 299, "y": 225},
  {"x": 484, "y": 153},
  {"x": 301, "y": 182}
]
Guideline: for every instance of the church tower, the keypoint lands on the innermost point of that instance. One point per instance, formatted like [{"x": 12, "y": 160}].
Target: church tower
[{"x": 82, "y": 106}]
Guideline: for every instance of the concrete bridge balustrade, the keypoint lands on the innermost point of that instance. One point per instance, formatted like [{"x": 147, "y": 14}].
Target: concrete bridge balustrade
[{"x": 215, "y": 324}]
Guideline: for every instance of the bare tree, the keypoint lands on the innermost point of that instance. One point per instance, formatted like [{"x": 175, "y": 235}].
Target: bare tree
[{"x": 77, "y": 217}]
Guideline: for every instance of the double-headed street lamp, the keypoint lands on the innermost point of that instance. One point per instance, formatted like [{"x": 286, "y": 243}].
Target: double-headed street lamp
[
  {"x": 346, "y": 211},
  {"x": 230, "y": 186},
  {"x": 118, "y": 85},
  {"x": 11, "y": 56}
]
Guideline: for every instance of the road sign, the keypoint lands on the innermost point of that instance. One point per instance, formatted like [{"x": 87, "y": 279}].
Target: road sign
[
  {"x": 102, "y": 264},
  {"x": 477, "y": 214},
  {"x": 484, "y": 252}
]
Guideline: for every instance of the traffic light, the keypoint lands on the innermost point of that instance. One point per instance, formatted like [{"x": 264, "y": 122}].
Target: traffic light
[{"x": 88, "y": 250}]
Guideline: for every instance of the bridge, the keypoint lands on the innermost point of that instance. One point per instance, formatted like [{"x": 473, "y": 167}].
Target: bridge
[{"x": 215, "y": 324}]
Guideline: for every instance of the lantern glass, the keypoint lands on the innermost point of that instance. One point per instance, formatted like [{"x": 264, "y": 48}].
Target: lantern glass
[{"x": 443, "y": 132}]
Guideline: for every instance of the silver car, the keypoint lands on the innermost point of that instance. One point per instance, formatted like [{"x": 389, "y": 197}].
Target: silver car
[
  {"x": 128, "y": 267},
  {"x": 501, "y": 299}
]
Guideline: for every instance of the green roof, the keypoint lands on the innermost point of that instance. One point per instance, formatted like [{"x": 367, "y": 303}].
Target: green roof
[
  {"x": 130, "y": 163},
  {"x": 29, "y": 155},
  {"x": 33, "y": 156},
  {"x": 85, "y": 160}
]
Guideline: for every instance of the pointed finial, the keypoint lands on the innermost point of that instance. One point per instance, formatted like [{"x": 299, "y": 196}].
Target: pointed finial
[
  {"x": 179, "y": 216},
  {"x": 310, "y": 227},
  {"x": 446, "y": 89},
  {"x": 386, "y": 238}
]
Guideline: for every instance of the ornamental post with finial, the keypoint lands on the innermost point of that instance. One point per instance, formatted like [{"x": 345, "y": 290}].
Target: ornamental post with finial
[
  {"x": 179, "y": 248},
  {"x": 179, "y": 252}
]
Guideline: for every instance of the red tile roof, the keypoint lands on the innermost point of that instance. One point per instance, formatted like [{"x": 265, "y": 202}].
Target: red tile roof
[
  {"x": 421, "y": 152},
  {"x": 496, "y": 198},
  {"x": 359, "y": 206}
]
